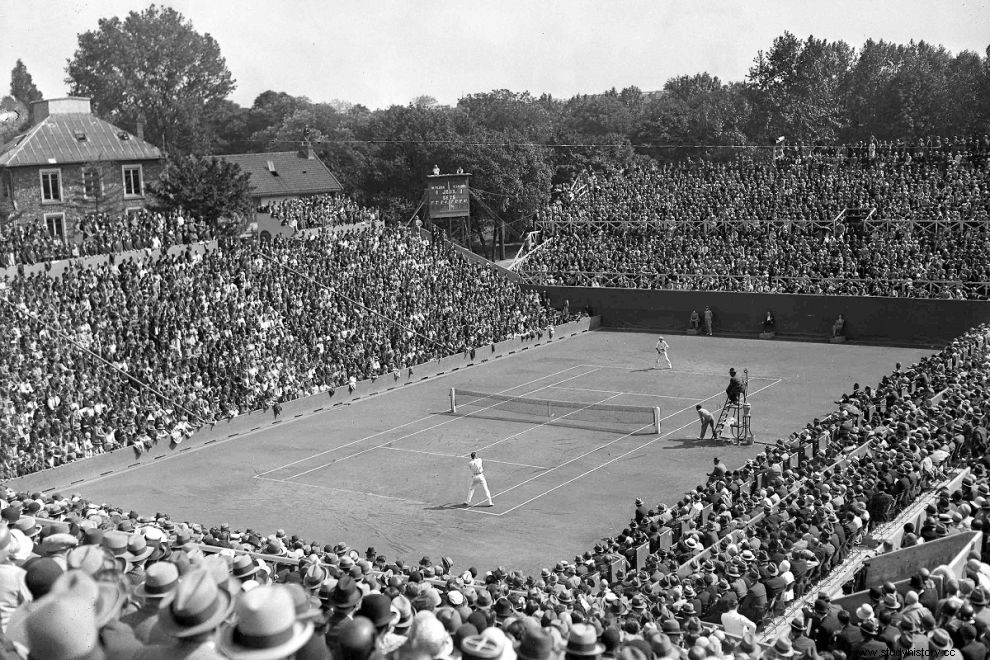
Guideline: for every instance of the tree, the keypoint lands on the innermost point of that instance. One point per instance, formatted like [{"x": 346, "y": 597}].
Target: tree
[
  {"x": 693, "y": 111},
  {"x": 22, "y": 85},
  {"x": 798, "y": 88},
  {"x": 154, "y": 64},
  {"x": 13, "y": 118},
  {"x": 210, "y": 188}
]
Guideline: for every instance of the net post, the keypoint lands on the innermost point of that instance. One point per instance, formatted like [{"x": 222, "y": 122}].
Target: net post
[
  {"x": 453, "y": 401},
  {"x": 656, "y": 419}
]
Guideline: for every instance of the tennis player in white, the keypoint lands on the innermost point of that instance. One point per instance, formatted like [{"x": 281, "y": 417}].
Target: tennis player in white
[
  {"x": 662, "y": 347},
  {"x": 478, "y": 479}
]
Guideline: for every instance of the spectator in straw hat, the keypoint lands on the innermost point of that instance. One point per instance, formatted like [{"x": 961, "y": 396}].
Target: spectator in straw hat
[
  {"x": 189, "y": 616},
  {"x": 265, "y": 627},
  {"x": 160, "y": 580},
  {"x": 63, "y": 629},
  {"x": 582, "y": 643},
  {"x": 428, "y": 637}
]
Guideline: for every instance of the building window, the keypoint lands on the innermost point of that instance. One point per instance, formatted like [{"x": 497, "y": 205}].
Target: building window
[
  {"x": 133, "y": 183},
  {"x": 92, "y": 183},
  {"x": 51, "y": 186},
  {"x": 55, "y": 223}
]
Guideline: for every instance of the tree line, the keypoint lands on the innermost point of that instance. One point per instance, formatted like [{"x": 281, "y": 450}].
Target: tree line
[{"x": 154, "y": 66}]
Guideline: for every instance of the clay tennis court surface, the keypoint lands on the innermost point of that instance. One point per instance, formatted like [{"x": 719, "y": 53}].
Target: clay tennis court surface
[{"x": 391, "y": 471}]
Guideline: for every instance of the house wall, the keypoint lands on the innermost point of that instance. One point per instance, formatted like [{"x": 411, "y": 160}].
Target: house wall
[{"x": 26, "y": 185}]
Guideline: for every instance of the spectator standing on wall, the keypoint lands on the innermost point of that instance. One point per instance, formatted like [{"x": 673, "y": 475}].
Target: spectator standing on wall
[{"x": 708, "y": 320}]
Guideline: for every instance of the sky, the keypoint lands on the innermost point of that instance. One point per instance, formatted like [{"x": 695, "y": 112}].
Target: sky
[{"x": 384, "y": 52}]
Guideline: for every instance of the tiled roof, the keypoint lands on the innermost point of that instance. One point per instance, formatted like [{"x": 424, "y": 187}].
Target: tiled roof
[
  {"x": 294, "y": 174},
  {"x": 74, "y": 138}
]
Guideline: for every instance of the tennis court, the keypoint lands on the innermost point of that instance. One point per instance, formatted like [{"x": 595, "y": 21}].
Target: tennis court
[{"x": 390, "y": 471}]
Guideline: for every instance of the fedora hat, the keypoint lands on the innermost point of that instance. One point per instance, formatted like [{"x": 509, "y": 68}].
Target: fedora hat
[
  {"x": 403, "y": 611},
  {"x": 198, "y": 605},
  {"x": 503, "y": 609},
  {"x": 138, "y": 548},
  {"x": 583, "y": 641},
  {"x": 345, "y": 594},
  {"x": 89, "y": 559},
  {"x": 20, "y": 548},
  {"x": 266, "y": 627},
  {"x": 429, "y": 636},
  {"x": 891, "y": 602},
  {"x": 160, "y": 580},
  {"x": 62, "y": 628},
  {"x": 243, "y": 567},
  {"x": 783, "y": 648},
  {"x": 183, "y": 537},
  {"x": 106, "y": 598},
  {"x": 941, "y": 639},
  {"x": 378, "y": 609},
  {"x": 869, "y": 627},
  {"x": 27, "y": 526},
  {"x": 536, "y": 644},
  {"x": 314, "y": 577}
]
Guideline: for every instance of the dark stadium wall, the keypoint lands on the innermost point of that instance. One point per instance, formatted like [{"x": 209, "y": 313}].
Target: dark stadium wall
[{"x": 870, "y": 320}]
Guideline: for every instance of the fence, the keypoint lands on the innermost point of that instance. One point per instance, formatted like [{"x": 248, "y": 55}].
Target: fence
[{"x": 923, "y": 322}]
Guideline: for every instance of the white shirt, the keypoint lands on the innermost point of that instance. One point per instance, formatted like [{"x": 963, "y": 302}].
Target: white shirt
[
  {"x": 736, "y": 624},
  {"x": 662, "y": 346},
  {"x": 475, "y": 466}
]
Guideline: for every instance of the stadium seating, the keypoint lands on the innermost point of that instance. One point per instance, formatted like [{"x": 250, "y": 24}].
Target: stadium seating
[
  {"x": 99, "y": 233},
  {"x": 821, "y": 222},
  {"x": 320, "y": 211},
  {"x": 778, "y": 527},
  {"x": 138, "y": 352}
]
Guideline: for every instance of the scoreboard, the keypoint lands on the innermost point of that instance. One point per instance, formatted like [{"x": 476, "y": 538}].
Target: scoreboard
[{"x": 448, "y": 195}]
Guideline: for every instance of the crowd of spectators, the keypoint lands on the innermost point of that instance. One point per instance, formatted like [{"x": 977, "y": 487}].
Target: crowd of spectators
[
  {"x": 771, "y": 227},
  {"x": 98, "y": 233},
  {"x": 320, "y": 211},
  {"x": 133, "y": 352},
  {"x": 89, "y": 580}
]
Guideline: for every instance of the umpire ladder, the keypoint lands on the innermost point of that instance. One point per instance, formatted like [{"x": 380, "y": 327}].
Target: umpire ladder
[{"x": 737, "y": 416}]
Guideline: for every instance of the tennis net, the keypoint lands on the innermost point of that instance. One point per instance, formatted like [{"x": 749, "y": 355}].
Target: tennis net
[{"x": 606, "y": 416}]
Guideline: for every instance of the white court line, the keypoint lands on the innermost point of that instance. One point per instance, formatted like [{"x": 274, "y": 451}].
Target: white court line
[
  {"x": 489, "y": 460},
  {"x": 588, "y": 389},
  {"x": 609, "y": 462},
  {"x": 679, "y": 371},
  {"x": 428, "y": 428},
  {"x": 342, "y": 490},
  {"x": 396, "y": 428},
  {"x": 542, "y": 424}
]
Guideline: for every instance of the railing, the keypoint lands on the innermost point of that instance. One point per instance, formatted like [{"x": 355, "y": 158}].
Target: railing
[
  {"x": 527, "y": 249},
  {"x": 873, "y": 221},
  {"x": 901, "y": 288}
]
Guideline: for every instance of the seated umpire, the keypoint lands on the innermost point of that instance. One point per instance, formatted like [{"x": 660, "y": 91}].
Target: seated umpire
[{"x": 735, "y": 388}]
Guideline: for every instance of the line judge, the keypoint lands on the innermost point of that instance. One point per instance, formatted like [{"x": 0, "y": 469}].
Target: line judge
[{"x": 478, "y": 479}]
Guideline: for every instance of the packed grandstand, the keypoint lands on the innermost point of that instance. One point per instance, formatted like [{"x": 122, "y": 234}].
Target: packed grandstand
[
  {"x": 888, "y": 222},
  {"x": 146, "y": 348}
]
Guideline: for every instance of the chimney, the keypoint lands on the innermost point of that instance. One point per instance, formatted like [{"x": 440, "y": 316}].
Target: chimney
[
  {"x": 307, "y": 151},
  {"x": 139, "y": 127},
  {"x": 63, "y": 106}
]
